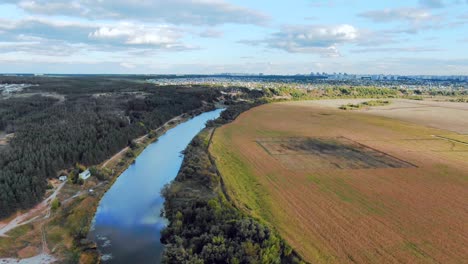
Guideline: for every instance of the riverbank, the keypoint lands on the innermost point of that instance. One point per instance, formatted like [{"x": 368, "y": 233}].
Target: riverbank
[
  {"x": 117, "y": 164},
  {"x": 131, "y": 209},
  {"x": 203, "y": 220},
  {"x": 65, "y": 230}
]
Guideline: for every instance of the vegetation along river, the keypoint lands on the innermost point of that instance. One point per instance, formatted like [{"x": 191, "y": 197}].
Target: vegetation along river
[{"x": 128, "y": 220}]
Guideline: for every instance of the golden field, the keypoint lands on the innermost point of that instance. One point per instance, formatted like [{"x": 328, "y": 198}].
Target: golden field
[{"x": 351, "y": 186}]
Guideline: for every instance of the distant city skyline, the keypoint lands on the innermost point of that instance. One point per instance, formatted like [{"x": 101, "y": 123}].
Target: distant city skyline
[{"x": 418, "y": 37}]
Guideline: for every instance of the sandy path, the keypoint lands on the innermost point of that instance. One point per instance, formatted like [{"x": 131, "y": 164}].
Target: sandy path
[
  {"x": 26, "y": 217},
  {"x": 140, "y": 139},
  {"x": 117, "y": 155}
]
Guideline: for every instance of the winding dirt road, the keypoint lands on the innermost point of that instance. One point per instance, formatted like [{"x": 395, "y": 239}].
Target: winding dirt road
[{"x": 28, "y": 217}]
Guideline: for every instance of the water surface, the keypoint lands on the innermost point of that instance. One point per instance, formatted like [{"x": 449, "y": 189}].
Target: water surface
[{"x": 127, "y": 223}]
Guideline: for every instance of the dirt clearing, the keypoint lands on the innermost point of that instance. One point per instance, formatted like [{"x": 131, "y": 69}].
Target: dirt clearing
[{"x": 333, "y": 153}]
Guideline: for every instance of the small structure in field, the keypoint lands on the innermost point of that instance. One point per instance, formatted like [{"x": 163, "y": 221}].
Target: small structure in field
[
  {"x": 85, "y": 174},
  {"x": 63, "y": 178}
]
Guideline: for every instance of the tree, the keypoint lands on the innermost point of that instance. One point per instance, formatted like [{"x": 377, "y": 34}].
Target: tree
[
  {"x": 130, "y": 153},
  {"x": 133, "y": 144},
  {"x": 55, "y": 204}
]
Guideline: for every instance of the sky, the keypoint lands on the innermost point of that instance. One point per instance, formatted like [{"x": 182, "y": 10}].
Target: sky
[{"x": 410, "y": 37}]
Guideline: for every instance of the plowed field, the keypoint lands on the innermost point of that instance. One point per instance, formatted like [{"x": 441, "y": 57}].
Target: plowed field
[{"x": 346, "y": 186}]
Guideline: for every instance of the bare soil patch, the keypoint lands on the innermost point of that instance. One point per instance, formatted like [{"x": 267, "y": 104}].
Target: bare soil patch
[
  {"x": 333, "y": 153},
  {"x": 28, "y": 252}
]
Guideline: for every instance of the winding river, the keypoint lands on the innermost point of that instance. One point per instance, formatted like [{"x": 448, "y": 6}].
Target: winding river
[{"x": 128, "y": 220}]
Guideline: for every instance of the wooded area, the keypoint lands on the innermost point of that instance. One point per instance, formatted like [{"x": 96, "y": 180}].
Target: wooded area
[
  {"x": 98, "y": 117},
  {"x": 204, "y": 227}
]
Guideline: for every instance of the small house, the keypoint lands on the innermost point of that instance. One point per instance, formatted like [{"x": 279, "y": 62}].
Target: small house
[
  {"x": 85, "y": 175},
  {"x": 63, "y": 178}
]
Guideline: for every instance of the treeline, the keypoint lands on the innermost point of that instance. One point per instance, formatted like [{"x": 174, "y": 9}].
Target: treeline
[
  {"x": 204, "y": 226},
  {"x": 88, "y": 127},
  {"x": 335, "y": 92},
  {"x": 357, "y": 106},
  {"x": 459, "y": 100},
  {"x": 362, "y": 91}
]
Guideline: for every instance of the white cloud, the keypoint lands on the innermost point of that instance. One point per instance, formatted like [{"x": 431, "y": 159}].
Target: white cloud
[
  {"x": 52, "y": 7},
  {"x": 194, "y": 12},
  {"x": 323, "y": 40},
  {"x": 99, "y": 35},
  {"x": 132, "y": 34},
  {"x": 410, "y": 20},
  {"x": 398, "y": 14}
]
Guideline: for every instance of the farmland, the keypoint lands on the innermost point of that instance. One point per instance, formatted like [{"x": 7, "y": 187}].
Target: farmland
[
  {"x": 444, "y": 115},
  {"x": 380, "y": 185}
]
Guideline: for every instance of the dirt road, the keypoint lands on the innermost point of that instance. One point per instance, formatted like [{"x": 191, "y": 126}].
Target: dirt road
[
  {"x": 31, "y": 215},
  {"x": 138, "y": 140}
]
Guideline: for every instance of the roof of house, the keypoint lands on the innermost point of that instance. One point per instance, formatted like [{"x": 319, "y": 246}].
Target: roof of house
[{"x": 85, "y": 174}]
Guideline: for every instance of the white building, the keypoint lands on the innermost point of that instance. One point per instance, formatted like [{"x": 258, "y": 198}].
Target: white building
[
  {"x": 62, "y": 178},
  {"x": 85, "y": 175}
]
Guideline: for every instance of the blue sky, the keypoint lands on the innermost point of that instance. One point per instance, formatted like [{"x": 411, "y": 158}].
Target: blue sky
[{"x": 215, "y": 36}]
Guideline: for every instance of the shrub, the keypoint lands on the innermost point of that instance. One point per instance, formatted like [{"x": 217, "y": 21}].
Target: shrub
[
  {"x": 55, "y": 204},
  {"x": 130, "y": 154},
  {"x": 99, "y": 174},
  {"x": 133, "y": 145}
]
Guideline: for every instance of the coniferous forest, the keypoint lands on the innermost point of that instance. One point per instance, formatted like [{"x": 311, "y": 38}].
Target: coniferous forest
[{"x": 62, "y": 121}]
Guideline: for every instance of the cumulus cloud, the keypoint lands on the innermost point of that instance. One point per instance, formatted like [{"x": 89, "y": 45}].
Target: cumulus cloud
[
  {"x": 45, "y": 29},
  {"x": 320, "y": 39},
  {"x": 131, "y": 34},
  {"x": 101, "y": 36},
  {"x": 194, "y": 12},
  {"x": 410, "y": 20}
]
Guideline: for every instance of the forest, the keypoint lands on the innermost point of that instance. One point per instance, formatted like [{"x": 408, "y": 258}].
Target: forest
[
  {"x": 61, "y": 121},
  {"x": 204, "y": 227},
  {"x": 85, "y": 120}
]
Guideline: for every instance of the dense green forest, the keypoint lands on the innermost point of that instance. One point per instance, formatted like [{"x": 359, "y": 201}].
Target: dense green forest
[
  {"x": 204, "y": 226},
  {"x": 64, "y": 121}
]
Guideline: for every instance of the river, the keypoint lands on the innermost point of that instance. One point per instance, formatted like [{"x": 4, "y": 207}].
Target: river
[{"x": 128, "y": 220}]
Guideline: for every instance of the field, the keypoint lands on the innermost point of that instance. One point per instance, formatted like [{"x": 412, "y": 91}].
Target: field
[
  {"x": 444, "y": 115},
  {"x": 353, "y": 186}
]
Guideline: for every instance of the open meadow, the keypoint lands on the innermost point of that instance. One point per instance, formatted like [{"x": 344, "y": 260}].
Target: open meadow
[{"x": 380, "y": 185}]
